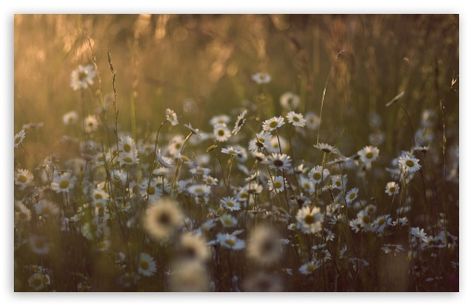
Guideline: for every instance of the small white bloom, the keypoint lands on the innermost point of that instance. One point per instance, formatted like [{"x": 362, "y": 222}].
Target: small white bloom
[
  {"x": 228, "y": 220},
  {"x": 82, "y": 77},
  {"x": 351, "y": 195},
  {"x": 23, "y": 178},
  {"x": 296, "y": 119},
  {"x": 230, "y": 203},
  {"x": 279, "y": 161},
  {"x": 276, "y": 184},
  {"x": 70, "y": 118},
  {"x": 392, "y": 188},
  {"x": 368, "y": 154},
  {"x": 261, "y": 78},
  {"x": 310, "y": 220},
  {"x": 272, "y": 124},
  {"x": 221, "y": 132},
  {"x": 289, "y": 101},
  {"x": 63, "y": 182},
  {"x": 91, "y": 124},
  {"x": 230, "y": 241},
  {"x": 146, "y": 265}
]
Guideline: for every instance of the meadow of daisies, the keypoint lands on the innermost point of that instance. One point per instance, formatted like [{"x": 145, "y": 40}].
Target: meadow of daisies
[{"x": 323, "y": 156}]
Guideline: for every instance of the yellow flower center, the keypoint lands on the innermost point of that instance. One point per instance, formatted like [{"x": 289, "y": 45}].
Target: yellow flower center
[{"x": 64, "y": 184}]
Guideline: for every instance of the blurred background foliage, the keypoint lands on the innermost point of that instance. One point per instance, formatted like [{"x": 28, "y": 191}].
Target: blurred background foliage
[{"x": 201, "y": 65}]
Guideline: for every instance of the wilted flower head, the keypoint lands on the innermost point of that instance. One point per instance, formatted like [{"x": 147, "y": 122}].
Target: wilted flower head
[
  {"x": 171, "y": 117},
  {"x": 241, "y": 119}
]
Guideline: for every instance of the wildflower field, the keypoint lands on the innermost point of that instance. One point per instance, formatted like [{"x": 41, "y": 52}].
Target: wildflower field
[{"x": 236, "y": 153}]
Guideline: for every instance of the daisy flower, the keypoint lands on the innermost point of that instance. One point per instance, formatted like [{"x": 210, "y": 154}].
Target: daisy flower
[
  {"x": 261, "y": 140},
  {"x": 264, "y": 245},
  {"x": 146, "y": 265},
  {"x": 194, "y": 247},
  {"x": 39, "y": 281},
  {"x": 99, "y": 196},
  {"x": 23, "y": 178},
  {"x": 276, "y": 184},
  {"x": 241, "y": 119},
  {"x": 70, "y": 118},
  {"x": 289, "y": 100},
  {"x": 162, "y": 219},
  {"x": 392, "y": 188},
  {"x": 230, "y": 203},
  {"x": 220, "y": 120},
  {"x": 279, "y": 161},
  {"x": 128, "y": 159},
  {"x": 221, "y": 132},
  {"x": 63, "y": 182},
  {"x": 368, "y": 154},
  {"x": 261, "y": 78},
  {"x": 296, "y": 119},
  {"x": 351, "y": 195},
  {"x": 82, "y": 77},
  {"x": 408, "y": 163},
  {"x": 310, "y": 220},
  {"x": 91, "y": 124},
  {"x": 312, "y": 121},
  {"x": 228, "y": 220},
  {"x": 230, "y": 241},
  {"x": 326, "y": 148},
  {"x": 126, "y": 144},
  {"x": 310, "y": 267},
  {"x": 419, "y": 234},
  {"x": 317, "y": 174},
  {"x": 379, "y": 224},
  {"x": 171, "y": 117},
  {"x": 272, "y": 124},
  {"x": 338, "y": 181},
  {"x": 199, "y": 190}
]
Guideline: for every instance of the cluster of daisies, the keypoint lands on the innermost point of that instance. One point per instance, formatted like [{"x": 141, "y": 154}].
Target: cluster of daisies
[{"x": 223, "y": 207}]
